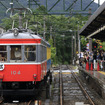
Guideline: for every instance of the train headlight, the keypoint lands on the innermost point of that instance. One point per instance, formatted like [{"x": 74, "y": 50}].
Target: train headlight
[
  {"x": 16, "y": 32},
  {"x": 35, "y": 76},
  {"x": 1, "y": 66}
]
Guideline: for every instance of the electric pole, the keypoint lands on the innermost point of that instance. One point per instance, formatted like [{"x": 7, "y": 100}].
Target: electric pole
[
  {"x": 50, "y": 32},
  {"x": 44, "y": 26}
]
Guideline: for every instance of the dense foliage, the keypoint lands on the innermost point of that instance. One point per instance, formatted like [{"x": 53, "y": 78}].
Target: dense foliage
[{"x": 59, "y": 31}]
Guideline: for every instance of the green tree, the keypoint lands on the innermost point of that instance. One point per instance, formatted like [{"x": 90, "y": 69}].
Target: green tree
[
  {"x": 53, "y": 52},
  {"x": 55, "y": 26}
]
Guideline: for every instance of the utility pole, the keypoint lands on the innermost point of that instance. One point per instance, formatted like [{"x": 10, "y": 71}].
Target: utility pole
[
  {"x": 44, "y": 26},
  {"x": 75, "y": 47},
  {"x": 90, "y": 39},
  {"x": 72, "y": 49},
  {"x": 20, "y": 20},
  {"x": 11, "y": 3},
  {"x": 79, "y": 45},
  {"x": 50, "y": 32},
  {"x": 54, "y": 41}
]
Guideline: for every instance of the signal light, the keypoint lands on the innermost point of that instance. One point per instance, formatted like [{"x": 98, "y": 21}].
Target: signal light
[
  {"x": 94, "y": 46},
  {"x": 100, "y": 46},
  {"x": 35, "y": 76}
]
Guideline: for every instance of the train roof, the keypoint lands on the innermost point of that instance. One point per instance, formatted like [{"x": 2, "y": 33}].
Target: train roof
[
  {"x": 25, "y": 35},
  {"x": 47, "y": 43}
]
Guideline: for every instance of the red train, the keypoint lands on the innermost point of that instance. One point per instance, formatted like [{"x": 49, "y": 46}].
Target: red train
[{"x": 25, "y": 60}]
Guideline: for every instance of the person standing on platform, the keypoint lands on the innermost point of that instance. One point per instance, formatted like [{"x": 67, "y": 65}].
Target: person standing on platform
[
  {"x": 101, "y": 58},
  {"x": 84, "y": 60},
  {"x": 80, "y": 58},
  {"x": 94, "y": 60},
  {"x": 90, "y": 59},
  {"x": 98, "y": 58}
]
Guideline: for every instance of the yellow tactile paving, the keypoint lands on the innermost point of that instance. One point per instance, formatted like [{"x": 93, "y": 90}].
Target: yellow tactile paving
[{"x": 101, "y": 72}]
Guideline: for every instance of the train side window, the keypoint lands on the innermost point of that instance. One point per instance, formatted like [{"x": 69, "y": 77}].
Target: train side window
[
  {"x": 3, "y": 53},
  {"x": 43, "y": 53},
  {"x": 30, "y": 53},
  {"x": 15, "y": 53}
]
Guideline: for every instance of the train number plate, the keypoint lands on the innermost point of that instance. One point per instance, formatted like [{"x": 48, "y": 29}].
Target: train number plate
[{"x": 15, "y": 72}]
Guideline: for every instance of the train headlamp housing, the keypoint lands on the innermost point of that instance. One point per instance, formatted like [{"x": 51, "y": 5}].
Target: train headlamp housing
[{"x": 16, "y": 32}]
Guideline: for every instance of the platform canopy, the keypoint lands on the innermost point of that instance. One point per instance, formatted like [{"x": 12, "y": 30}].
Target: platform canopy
[{"x": 95, "y": 26}]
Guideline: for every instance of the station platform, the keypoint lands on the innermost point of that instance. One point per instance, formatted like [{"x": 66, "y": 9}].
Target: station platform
[{"x": 96, "y": 79}]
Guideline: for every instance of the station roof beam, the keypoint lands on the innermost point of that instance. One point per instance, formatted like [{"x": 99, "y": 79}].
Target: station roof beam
[{"x": 95, "y": 26}]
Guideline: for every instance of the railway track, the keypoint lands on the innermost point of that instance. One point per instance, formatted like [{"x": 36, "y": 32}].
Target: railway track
[
  {"x": 79, "y": 91},
  {"x": 91, "y": 102},
  {"x": 69, "y": 90}
]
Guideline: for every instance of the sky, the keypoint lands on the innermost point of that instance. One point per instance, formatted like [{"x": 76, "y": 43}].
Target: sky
[{"x": 101, "y": 1}]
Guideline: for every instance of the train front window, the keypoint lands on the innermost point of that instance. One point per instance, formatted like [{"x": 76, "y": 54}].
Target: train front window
[
  {"x": 3, "y": 53},
  {"x": 15, "y": 53},
  {"x": 30, "y": 53}
]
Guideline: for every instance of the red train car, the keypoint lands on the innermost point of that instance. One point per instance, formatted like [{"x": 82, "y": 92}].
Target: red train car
[{"x": 24, "y": 62}]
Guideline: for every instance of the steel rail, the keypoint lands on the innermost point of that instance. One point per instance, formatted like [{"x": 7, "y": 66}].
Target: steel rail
[
  {"x": 82, "y": 88},
  {"x": 61, "y": 87}
]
